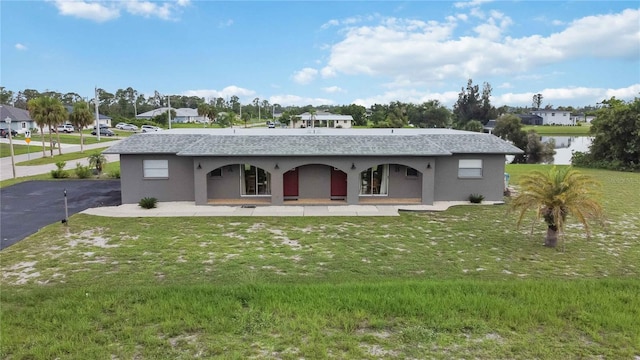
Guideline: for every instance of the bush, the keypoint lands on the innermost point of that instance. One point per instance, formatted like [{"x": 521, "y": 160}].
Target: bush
[
  {"x": 476, "y": 198},
  {"x": 114, "y": 174},
  {"x": 82, "y": 172},
  {"x": 59, "y": 173},
  {"x": 148, "y": 202}
]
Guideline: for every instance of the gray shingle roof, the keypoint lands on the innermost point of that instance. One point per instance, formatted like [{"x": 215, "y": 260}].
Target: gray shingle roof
[{"x": 291, "y": 142}]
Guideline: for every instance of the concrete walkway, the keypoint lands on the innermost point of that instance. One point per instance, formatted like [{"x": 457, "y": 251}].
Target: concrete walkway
[
  {"x": 36, "y": 153},
  {"x": 188, "y": 208}
]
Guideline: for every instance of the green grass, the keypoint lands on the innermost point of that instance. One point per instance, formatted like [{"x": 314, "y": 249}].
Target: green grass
[
  {"x": 105, "y": 175},
  {"x": 64, "y": 157},
  {"x": 457, "y": 284},
  {"x": 582, "y": 130},
  {"x": 75, "y": 139},
  {"x": 5, "y": 150}
]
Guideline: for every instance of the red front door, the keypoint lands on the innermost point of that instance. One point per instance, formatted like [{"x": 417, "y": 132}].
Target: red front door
[
  {"x": 290, "y": 183},
  {"x": 338, "y": 183}
]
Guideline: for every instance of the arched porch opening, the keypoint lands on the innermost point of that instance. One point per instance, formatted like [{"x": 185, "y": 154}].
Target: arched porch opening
[
  {"x": 314, "y": 184},
  {"x": 239, "y": 184},
  {"x": 390, "y": 183}
]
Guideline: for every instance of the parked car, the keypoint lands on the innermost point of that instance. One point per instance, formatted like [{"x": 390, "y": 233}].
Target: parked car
[
  {"x": 149, "y": 128},
  {"x": 66, "y": 128},
  {"x": 5, "y": 133},
  {"x": 102, "y": 126},
  {"x": 103, "y": 131},
  {"x": 130, "y": 127},
  {"x": 271, "y": 124},
  {"x": 120, "y": 125}
]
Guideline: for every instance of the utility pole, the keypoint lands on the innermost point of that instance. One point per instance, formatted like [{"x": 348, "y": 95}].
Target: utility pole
[
  {"x": 169, "y": 110},
  {"x": 97, "y": 115}
]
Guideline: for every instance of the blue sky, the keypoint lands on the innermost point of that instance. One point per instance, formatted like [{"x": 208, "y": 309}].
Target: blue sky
[{"x": 574, "y": 53}]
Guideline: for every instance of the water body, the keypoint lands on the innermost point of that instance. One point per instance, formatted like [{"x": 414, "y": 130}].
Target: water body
[{"x": 567, "y": 145}]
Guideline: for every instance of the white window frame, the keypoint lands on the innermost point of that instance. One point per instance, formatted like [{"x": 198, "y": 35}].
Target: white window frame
[
  {"x": 155, "y": 169},
  {"x": 470, "y": 168}
]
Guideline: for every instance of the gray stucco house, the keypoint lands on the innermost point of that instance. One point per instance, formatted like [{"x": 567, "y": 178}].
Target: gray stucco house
[{"x": 312, "y": 166}]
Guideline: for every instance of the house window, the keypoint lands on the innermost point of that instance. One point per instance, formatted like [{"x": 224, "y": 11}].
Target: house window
[
  {"x": 254, "y": 181},
  {"x": 470, "y": 168},
  {"x": 216, "y": 173},
  {"x": 411, "y": 172},
  {"x": 155, "y": 169},
  {"x": 375, "y": 180},
  {"x": 553, "y": 114}
]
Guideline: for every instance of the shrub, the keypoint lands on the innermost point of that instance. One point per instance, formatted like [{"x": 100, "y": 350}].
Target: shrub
[
  {"x": 114, "y": 174},
  {"x": 476, "y": 198},
  {"x": 82, "y": 172},
  {"x": 148, "y": 202},
  {"x": 59, "y": 173}
]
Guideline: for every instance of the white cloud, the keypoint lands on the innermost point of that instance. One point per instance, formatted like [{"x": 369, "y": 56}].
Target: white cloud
[
  {"x": 101, "y": 11},
  {"x": 333, "y": 89},
  {"x": 295, "y": 100},
  {"x": 305, "y": 75},
  {"x": 574, "y": 96},
  {"x": 413, "y": 52},
  {"x": 21, "y": 47},
  {"x": 95, "y": 11},
  {"x": 227, "y": 92},
  {"x": 472, "y": 3},
  {"x": 224, "y": 24}
]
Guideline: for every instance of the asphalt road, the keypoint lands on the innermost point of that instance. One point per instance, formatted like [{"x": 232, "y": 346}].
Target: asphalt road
[{"x": 29, "y": 206}]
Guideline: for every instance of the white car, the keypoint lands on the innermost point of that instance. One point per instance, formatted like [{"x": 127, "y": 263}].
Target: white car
[
  {"x": 120, "y": 125},
  {"x": 130, "y": 127},
  {"x": 66, "y": 128},
  {"x": 150, "y": 128}
]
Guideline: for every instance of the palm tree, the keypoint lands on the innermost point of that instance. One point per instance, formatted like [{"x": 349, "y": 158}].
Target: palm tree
[
  {"x": 48, "y": 111},
  {"x": 97, "y": 161},
  {"x": 34, "y": 106},
  {"x": 556, "y": 194},
  {"x": 203, "y": 109},
  {"x": 81, "y": 117}
]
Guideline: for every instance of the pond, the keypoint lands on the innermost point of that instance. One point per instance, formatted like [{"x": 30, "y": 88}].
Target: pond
[{"x": 565, "y": 147}]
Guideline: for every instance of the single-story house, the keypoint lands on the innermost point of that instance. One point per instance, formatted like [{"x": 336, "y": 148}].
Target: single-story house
[
  {"x": 311, "y": 166},
  {"x": 322, "y": 119},
  {"x": 554, "y": 117},
  {"x": 489, "y": 126},
  {"x": 21, "y": 121},
  {"x": 183, "y": 115}
]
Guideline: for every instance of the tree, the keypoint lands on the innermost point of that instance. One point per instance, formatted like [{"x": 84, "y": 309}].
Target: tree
[
  {"x": 50, "y": 112},
  {"x": 97, "y": 161},
  {"x": 616, "y": 131},
  {"x": 203, "y": 109},
  {"x": 554, "y": 195},
  {"x": 473, "y": 105},
  {"x": 81, "y": 117},
  {"x": 537, "y": 101},
  {"x": 430, "y": 114},
  {"x": 509, "y": 127},
  {"x": 474, "y": 125}
]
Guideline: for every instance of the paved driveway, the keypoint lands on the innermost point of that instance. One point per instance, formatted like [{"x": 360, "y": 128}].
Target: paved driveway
[{"x": 29, "y": 206}]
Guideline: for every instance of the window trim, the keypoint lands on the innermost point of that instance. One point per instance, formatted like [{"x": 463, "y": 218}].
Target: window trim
[
  {"x": 470, "y": 165},
  {"x": 159, "y": 165}
]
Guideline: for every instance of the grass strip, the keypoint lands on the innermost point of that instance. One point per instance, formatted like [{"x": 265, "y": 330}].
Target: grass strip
[{"x": 63, "y": 157}]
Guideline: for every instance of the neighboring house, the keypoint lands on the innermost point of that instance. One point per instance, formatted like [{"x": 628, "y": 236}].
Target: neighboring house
[
  {"x": 20, "y": 119},
  {"x": 183, "y": 115},
  {"x": 554, "y": 117},
  {"x": 322, "y": 119},
  {"x": 102, "y": 119},
  {"x": 528, "y": 119},
  {"x": 581, "y": 117},
  {"x": 489, "y": 126},
  {"x": 312, "y": 166}
]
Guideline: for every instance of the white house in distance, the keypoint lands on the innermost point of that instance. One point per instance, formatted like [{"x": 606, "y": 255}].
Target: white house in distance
[
  {"x": 581, "y": 117},
  {"x": 554, "y": 117},
  {"x": 20, "y": 119},
  {"x": 322, "y": 119},
  {"x": 183, "y": 115}
]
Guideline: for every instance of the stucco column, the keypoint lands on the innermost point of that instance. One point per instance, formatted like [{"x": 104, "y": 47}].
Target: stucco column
[
  {"x": 277, "y": 187},
  {"x": 428, "y": 182},
  {"x": 199, "y": 183},
  {"x": 353, "y": 187}
]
